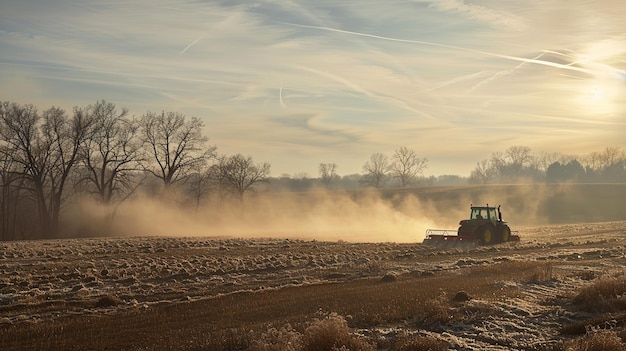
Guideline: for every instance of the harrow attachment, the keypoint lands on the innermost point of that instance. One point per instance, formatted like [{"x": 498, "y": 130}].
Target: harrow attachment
[{"x": 447, "y": 238}]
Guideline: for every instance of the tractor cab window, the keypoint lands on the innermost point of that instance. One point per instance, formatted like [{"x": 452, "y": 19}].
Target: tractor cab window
[
  {"x": 492, "y": 214},
  {"x": 478, "y": 213}
]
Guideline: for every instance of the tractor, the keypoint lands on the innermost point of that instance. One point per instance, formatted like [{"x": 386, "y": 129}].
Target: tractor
[{"x": 484, "y": 227}]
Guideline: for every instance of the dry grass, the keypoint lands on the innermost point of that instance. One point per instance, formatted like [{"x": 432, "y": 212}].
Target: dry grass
[
  {"x": 599, "y": 340},
  {"x": 604, "y": 295},
  {"x": 605, "y": 340},
  {"x": 412, "y": 342},
  {"x": 605, "y": 331},
  {"x": 242, "y": 320},
  {"x": 330, "y": 334}
]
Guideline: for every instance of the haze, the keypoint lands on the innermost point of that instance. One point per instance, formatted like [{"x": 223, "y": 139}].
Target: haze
[
  {"x": 371, "y": 215},
  {"x": 297, "y": 83}
]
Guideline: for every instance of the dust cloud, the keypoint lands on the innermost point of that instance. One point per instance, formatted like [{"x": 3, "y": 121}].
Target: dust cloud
[
  {"x": 388, "y": 215},
  {"x": 366, "y": 216}
]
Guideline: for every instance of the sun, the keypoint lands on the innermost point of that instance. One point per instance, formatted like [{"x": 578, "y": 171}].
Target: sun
[
  {"x": 598, "y": 94},
  {"x": 601, "y": 94}
]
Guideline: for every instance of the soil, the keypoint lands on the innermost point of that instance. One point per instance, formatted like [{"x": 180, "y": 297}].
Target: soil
[{"x": 45, "y": 280}]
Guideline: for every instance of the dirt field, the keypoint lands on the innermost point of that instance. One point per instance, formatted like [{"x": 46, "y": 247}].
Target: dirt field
[{"x": 166, "y": 293}]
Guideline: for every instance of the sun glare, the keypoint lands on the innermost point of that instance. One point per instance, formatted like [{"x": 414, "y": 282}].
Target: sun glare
[{"x": 601, "y": 95}]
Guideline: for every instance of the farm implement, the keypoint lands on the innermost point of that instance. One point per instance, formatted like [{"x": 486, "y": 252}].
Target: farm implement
[{"x": 484, "y": 227}]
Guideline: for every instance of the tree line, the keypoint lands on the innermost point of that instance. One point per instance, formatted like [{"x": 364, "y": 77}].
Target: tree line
[
  {"x": 99, "y": 150},
  {"x": 519, "y": 164}
]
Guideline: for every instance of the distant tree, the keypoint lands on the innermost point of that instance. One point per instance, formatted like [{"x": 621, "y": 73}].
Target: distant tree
[
  {"x": 592, "y": 161},
  {"x": 328, "y": 173},
  {"x": 199, "y": 186},
  {"x": 542, "y": 160},
  {"x": 376, "y": 169},
  {"x": 11, "y": 187},
  {"x": 520, "y": 156},
  {"x": 406, "y": 166},
  {"x": 605, "y": 166},
  {"x": 573, "y": 171},
  {"x": 483, "y": 173},
  {"x": 517, "y": 164},
  {"x": 239, "y": 174},
  {"x": 350, "y": 181},
  {"x": 611, "y": 156},
  {"x": 497, "y": 163},
  {"x": 555, "y": 173},
  {"x": 448, "y": 180},
  {"x": 46, "y": 148},
  {"x": 615, "y": 173},
  {"x": 112, "y": 155},
  {"x": 175, "y": 144},
  {"x": 297, "y": 182}
]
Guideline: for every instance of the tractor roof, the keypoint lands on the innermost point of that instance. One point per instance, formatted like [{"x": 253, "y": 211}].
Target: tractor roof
[{"x": 483, "y": 207}]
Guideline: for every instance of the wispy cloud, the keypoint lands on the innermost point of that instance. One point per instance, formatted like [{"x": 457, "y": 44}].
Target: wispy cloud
[
  {"x": 369, "y": 76},
  {"x": 497, "y": 18}
]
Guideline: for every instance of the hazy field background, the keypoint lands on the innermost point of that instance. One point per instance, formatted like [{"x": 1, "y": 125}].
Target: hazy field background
[{"x": 398, "y": 215}]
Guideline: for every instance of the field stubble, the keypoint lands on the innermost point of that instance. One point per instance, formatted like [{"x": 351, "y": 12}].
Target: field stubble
[{"x": 158, "y": 293}]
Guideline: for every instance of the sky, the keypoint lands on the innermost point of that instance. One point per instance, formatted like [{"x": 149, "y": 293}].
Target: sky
[{"x": 297, "y": 83}]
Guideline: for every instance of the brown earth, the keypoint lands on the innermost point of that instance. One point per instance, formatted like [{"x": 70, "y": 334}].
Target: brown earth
[{"x": 174, "y": 293}]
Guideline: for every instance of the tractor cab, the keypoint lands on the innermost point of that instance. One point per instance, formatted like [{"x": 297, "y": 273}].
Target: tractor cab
[{"x": 483, "y": 213}]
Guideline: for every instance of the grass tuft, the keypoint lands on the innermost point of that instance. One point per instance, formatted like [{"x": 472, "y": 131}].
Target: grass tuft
[
  {"x": 605, "y": 295},
  {"x": 331, "y": 334},
  {"x": 435, "y": 310},
  {"x": 412, "y": 342},
  {"x": 603, "y": 340},
  {"x": 108, "y": 301}
]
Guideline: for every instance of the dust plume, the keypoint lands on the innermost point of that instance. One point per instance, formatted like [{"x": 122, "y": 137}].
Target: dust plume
[
  {"x": 388, "y": 215},
  {"x": 364, "y": 216}
]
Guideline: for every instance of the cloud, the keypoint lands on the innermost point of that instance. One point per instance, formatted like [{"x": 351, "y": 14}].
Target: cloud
[
  {"x": 376, "y": 75},
  {"x": 496, "y": 18}
]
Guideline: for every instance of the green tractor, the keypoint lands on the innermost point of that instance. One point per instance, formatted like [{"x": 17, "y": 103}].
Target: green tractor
[{"x": 484, "y": 227}]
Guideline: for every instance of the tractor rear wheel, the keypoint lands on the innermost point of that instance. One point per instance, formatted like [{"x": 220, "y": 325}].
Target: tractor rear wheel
[
  {"x": 486, "y": 235},
  {"x": 506, "y": 234}
]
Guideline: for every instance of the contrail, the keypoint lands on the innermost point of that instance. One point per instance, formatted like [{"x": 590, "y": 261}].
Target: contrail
[
  {"x": 456, "y": 80},
  {"x": 502, "y": 74},
  {"x": 190, "y": 45},
  {"x": 362, "y": 90},
  {"x": 421, "y": 42}
]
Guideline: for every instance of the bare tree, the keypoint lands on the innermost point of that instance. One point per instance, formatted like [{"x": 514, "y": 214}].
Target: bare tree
[
  {"x": 520, "y": 156},
  {"x": 593, "y": 161},
  {"x": 483, "y": 173},
  {"x": 176, "y": 145},
  {"x": 112, "y": 155},
  {"x": 239, "y": 174},
  {"x": 328, "y": 173},
  {"x": 611, "y": 156},
  {"x": 376, "y": 169},
  {"x": 497, "y": 162},
  {"x": 406, "y": 165},
  {"x": 46, "y": 149},
  {"x": 11, "y": 187},
  {"x": 199, "y": 186},
  {"x": 542, "y": 160}
]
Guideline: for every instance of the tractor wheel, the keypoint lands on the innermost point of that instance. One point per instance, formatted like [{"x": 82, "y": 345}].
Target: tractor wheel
[
  {"x": 506, "y": 234},
  {"x": 486, "y": 235}
]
